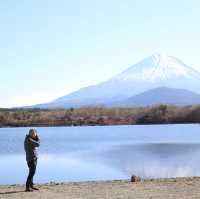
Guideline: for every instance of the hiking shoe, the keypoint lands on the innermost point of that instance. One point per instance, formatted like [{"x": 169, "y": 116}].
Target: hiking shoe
[
  {"x": 35, "y": 188},
  {"x": 29, "y": 190}
]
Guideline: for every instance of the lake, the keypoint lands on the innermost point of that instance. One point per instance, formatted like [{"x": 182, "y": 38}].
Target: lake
[{"x": 103, "y": 153}]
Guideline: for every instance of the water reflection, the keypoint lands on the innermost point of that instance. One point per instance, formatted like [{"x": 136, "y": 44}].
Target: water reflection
[{"x": 156, "y": 160}]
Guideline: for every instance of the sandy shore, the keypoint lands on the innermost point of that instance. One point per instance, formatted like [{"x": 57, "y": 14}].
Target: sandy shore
[{"x": 184, "y": 188}]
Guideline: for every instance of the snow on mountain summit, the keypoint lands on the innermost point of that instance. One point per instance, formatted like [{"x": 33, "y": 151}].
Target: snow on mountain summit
[
  {"x": 158, "y": 67},
  {"x": 156, "y": 71}
]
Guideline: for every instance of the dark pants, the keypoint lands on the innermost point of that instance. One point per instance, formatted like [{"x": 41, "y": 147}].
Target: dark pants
[{"x": 32, "y": 168}]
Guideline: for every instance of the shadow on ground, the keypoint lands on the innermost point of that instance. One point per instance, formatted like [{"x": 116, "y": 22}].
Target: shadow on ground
[{"x": 11, "y": 192}]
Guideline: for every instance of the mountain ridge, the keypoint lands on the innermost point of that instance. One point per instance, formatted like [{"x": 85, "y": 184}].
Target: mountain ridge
[
  {"x": 163, "y": 95},
  {"x": 152, "y": 72}
]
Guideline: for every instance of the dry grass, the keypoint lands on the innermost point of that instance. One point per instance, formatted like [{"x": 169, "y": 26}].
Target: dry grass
[{"x": 160, "y": 114}]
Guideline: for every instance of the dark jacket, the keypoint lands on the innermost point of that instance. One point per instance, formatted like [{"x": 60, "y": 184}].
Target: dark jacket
[{"x": 30, "y": 147}]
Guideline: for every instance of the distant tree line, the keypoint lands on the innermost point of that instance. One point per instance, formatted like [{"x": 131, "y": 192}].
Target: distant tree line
[{"x": 160, "y": 114}]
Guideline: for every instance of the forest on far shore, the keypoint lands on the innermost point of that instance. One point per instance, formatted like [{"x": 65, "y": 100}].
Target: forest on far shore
[{"x": 160, "y": 114}]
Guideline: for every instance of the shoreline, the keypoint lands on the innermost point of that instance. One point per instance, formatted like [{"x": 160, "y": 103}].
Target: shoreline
[
  {"x": 185, "y": 188},
  {"x": 148, "y": 124}
]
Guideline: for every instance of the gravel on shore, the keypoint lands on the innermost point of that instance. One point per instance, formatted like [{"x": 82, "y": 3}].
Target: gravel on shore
[{"x": 172, "y": 188}]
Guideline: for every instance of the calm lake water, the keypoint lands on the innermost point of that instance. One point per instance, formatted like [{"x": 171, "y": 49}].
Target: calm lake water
[{"x": 103, "y": 153}]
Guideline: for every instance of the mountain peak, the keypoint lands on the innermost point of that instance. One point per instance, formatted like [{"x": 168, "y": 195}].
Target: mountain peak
[
  {"x": 158, "y": 67},
  {"x": 161, "y": 59}
]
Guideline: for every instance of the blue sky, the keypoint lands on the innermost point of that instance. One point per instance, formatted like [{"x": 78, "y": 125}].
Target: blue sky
[{"x": 52, "y": 47}]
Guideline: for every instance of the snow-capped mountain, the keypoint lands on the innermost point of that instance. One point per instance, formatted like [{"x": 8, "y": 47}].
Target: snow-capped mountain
[
  {"x": 155, "y": 71},
  {"x": 158, "y": 67}
]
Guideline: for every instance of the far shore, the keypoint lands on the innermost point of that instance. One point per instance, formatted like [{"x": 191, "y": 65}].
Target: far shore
[
  {"x": 100, "y": 116},
  {"x": 171, "y": 188}
]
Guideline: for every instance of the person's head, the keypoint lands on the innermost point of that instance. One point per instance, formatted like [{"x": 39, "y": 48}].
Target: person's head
[{"x": 32, "y": 133}]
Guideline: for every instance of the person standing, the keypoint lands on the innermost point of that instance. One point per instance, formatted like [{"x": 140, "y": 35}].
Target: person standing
[{"x": 31, "y": 143}]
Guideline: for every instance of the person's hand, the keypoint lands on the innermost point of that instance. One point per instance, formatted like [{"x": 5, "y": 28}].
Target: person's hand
[{"x": 37, "y": 137}]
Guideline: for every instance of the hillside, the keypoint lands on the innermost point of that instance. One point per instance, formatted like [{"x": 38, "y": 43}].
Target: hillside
[{"x": 163, "y": 95}]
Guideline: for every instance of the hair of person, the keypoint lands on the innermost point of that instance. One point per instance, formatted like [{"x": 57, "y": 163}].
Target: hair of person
[{"x": 32, "y": 131}]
